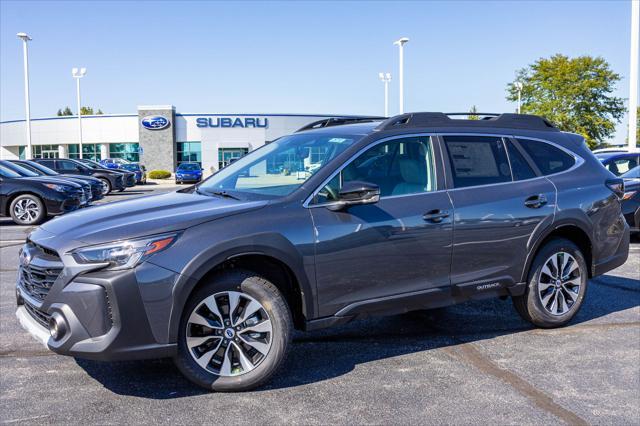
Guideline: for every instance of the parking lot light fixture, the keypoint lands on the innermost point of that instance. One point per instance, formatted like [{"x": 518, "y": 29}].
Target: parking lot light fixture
[
  {"x": 519, "y": 86},
  {"x": 400, "y": 43},
  {"x": 633, "y": 74},
  {"x": 78, "y": 73},
  {"x": 385, "y": 78},
  {"x": 25, "y": 38}
]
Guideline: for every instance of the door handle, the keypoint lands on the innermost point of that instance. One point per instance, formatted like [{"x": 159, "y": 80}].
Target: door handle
[
  {"x": 435, "y": 216},
  {"x": 536, "y": 201}
]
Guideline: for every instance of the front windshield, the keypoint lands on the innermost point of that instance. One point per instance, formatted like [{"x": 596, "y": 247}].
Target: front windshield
[
  {"x": 189, "y": 166},
  {"x": 5, "y": 172},
  {"x": 130, "y": 167},
  {"x": 280, "y": 167},
  {"x": 632, "y": 174},
  {"x": 20, "y": 170},
  {"x": 37, "y": 166}
]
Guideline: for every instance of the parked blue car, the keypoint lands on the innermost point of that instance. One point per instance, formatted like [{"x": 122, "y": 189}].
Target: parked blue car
[
  {"x": 114, "y": 163},
  {"x": 619, "y": 163},
  {"x": 138, "y": 169},
  {"x": 189, "y": 172}
]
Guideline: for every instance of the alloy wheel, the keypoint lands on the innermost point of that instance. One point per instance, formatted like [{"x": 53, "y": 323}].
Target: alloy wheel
[
  {"x": 559, "y": 283},
  {"x": 229, "y": 333},
  {"x": 26, "y": 210}
]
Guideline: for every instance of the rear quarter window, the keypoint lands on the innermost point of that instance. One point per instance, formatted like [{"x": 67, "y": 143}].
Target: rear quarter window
[{"x": 547, "y": 157}]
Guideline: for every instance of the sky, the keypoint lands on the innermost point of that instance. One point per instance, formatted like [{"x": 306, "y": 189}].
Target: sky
[{"x": 294, "y": 57}]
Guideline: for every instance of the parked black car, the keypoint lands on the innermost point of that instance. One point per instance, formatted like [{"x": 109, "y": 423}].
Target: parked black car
[
  {"x": 98, "y": 187},
  {"x": 22, "y": 171},
  {"x": 29, "y": 200},
  {"x": 631, "y": 199},
  {"x": 113, "y": 180},
  {"x": 129, "y": 177},
  {"x": 418, "y": 211}
]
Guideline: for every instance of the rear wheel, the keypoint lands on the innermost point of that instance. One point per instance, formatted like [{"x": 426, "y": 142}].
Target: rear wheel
[
  {"x": 234, "y": 333},
  {"x": 27, "y": 209},
  {"x": 557, "y": 285}
]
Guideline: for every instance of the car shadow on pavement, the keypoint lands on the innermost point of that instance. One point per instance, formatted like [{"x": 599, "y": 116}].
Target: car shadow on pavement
[{"x": 330, "y": 353}]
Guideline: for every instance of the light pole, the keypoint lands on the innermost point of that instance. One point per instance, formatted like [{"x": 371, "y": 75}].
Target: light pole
[
  {"x": 633, "y": 74},
  {"x": 519, "y": 86},
  {"x": 78, "y": 73},
  {"x": 400, "y": 43},
  {"x": 25, "y": 38},
  {"x": 385, "y": 77}
]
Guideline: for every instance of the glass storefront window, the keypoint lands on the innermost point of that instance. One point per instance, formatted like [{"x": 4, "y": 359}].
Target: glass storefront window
[
  {"x": 189, "y": 152},
  {"x": 45, "y": 151},
  {"x": 128, "y": 151},
  {"x": 22, "y": 152},
  {"x": 227, "y": 155},
  {"x": 90, "y": 151}
]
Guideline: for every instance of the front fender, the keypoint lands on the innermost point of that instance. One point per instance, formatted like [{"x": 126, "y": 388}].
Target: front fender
[{"x": 268, "y": 244}]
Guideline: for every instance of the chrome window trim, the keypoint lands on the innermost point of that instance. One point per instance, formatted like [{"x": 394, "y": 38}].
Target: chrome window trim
[{"x": 307, "y": 203}]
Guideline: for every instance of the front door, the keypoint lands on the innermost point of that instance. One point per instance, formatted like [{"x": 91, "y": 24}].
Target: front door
[
  {"x": 499, "y": 202},
  {"x": 399, "y": 245}
]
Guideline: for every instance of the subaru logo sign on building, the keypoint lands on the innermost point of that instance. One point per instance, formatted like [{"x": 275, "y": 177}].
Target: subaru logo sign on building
[{"x": 154, "y": 122}]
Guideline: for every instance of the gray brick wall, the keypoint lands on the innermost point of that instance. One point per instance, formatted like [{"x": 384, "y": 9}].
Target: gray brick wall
[{"x": 159, "y": 146}]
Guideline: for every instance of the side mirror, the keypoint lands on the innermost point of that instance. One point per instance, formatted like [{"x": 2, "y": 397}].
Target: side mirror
[{"x": 356, "y": 193}]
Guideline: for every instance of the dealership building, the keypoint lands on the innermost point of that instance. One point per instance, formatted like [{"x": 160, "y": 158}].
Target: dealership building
[{"x": 157, "y": 136}]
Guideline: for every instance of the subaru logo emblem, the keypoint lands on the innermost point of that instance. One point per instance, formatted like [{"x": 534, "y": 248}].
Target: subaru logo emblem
[
  {"x": 154, "y": 122},
  {"x": 229, "y": 333}
]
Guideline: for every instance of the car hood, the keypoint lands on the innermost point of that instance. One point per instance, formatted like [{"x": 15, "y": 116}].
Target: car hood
[
  {"x": 51, "y": 179},
  {"x": 142, "y": 216}
]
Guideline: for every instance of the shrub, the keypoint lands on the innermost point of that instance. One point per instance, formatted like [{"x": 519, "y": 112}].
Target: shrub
[{"x": 159, "y": 174}]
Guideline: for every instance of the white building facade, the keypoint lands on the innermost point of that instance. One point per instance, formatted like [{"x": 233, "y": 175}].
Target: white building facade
[{"x": 156, "y": 136}]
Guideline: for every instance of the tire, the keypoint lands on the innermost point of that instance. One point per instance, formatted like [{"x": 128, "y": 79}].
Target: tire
[
  {"x": 106, "y": 181},
  {"x": 273, "y": 312},
  {"x": 27, "y": 209},
  {"x": 536, "y": 305}
]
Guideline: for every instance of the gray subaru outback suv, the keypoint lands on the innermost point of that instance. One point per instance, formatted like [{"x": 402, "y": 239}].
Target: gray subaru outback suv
[{"x": 323, "y": 227}]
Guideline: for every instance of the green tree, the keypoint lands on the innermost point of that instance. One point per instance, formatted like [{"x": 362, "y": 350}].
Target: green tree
[
  {"x": 99, "y": 112},
  {"x": 574, "y": 93},
  {"x": 64, "y": 112},
  {"x": 473, "y": 114},
  {"x": 86, "y": 111}
]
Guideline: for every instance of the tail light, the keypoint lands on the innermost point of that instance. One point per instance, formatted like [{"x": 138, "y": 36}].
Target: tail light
[
  {"x": 627, "y": 195},
  {"x": 616, "y": 186}
]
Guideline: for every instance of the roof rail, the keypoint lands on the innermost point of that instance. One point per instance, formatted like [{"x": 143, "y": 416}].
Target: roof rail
[
  {"x": 338, "y": 121},
  {"x": 440, "y": 119}
]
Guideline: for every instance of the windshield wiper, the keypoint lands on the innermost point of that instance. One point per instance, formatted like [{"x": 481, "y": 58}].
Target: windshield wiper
[{"x": 224, "y": 194}]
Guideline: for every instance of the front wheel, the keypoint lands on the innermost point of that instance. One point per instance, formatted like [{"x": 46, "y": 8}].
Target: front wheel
[
  {"x": 27, "y": 209},
  {"x": 234, "y": 333},
  {"x": 106, "y": 186},
  {"x": 557, "y": 285}
]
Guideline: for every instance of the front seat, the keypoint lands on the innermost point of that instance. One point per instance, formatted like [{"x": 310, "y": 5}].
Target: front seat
[{"x": 414, "y": 177}]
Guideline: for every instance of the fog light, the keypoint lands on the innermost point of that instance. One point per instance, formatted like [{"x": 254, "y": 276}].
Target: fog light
[{"x": 57, "y": 326}]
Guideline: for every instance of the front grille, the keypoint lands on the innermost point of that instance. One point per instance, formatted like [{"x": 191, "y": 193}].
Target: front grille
[
  {"x": 37, "y": 281},
  {"x": 45, "y": 250},
  {"x": 41, "y": 317}
]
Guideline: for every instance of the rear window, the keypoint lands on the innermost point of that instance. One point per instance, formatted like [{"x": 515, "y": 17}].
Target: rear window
[
  {"x": 548, "y": 158},
  {"x": 477, "y": 160}
]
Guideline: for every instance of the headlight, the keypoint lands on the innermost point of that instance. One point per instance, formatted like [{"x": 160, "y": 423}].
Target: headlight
[
  {"x": 59, "y": 188},
  {"x": 124, "y": 254}
]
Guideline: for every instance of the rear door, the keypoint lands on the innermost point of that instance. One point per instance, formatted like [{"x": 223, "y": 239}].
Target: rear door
[{"x": 499, "y": 199}]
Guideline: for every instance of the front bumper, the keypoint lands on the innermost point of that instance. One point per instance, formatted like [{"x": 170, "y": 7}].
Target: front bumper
[
  {"x": 103, "y": 314},
  {"x": 188, "y": 178},
  {"x": 61, "y": 203}
]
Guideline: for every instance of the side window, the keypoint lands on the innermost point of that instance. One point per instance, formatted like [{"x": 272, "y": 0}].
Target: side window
[
  {"x": 398, "y": 167},
  {"x": 477, "y": 160},
  {"x": 47, "y": 163},
  {"x": 548, "y": 158},
  {"x": 519, "y": 167},
  {"x": 67, "y": 165}
]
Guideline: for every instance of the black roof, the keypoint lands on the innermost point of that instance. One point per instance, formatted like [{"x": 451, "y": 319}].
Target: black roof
[{"x": 440, "y": 119}]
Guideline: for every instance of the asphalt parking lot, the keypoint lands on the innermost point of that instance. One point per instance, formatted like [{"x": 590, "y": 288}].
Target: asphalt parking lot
[{"x": 472, "y": 363}]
